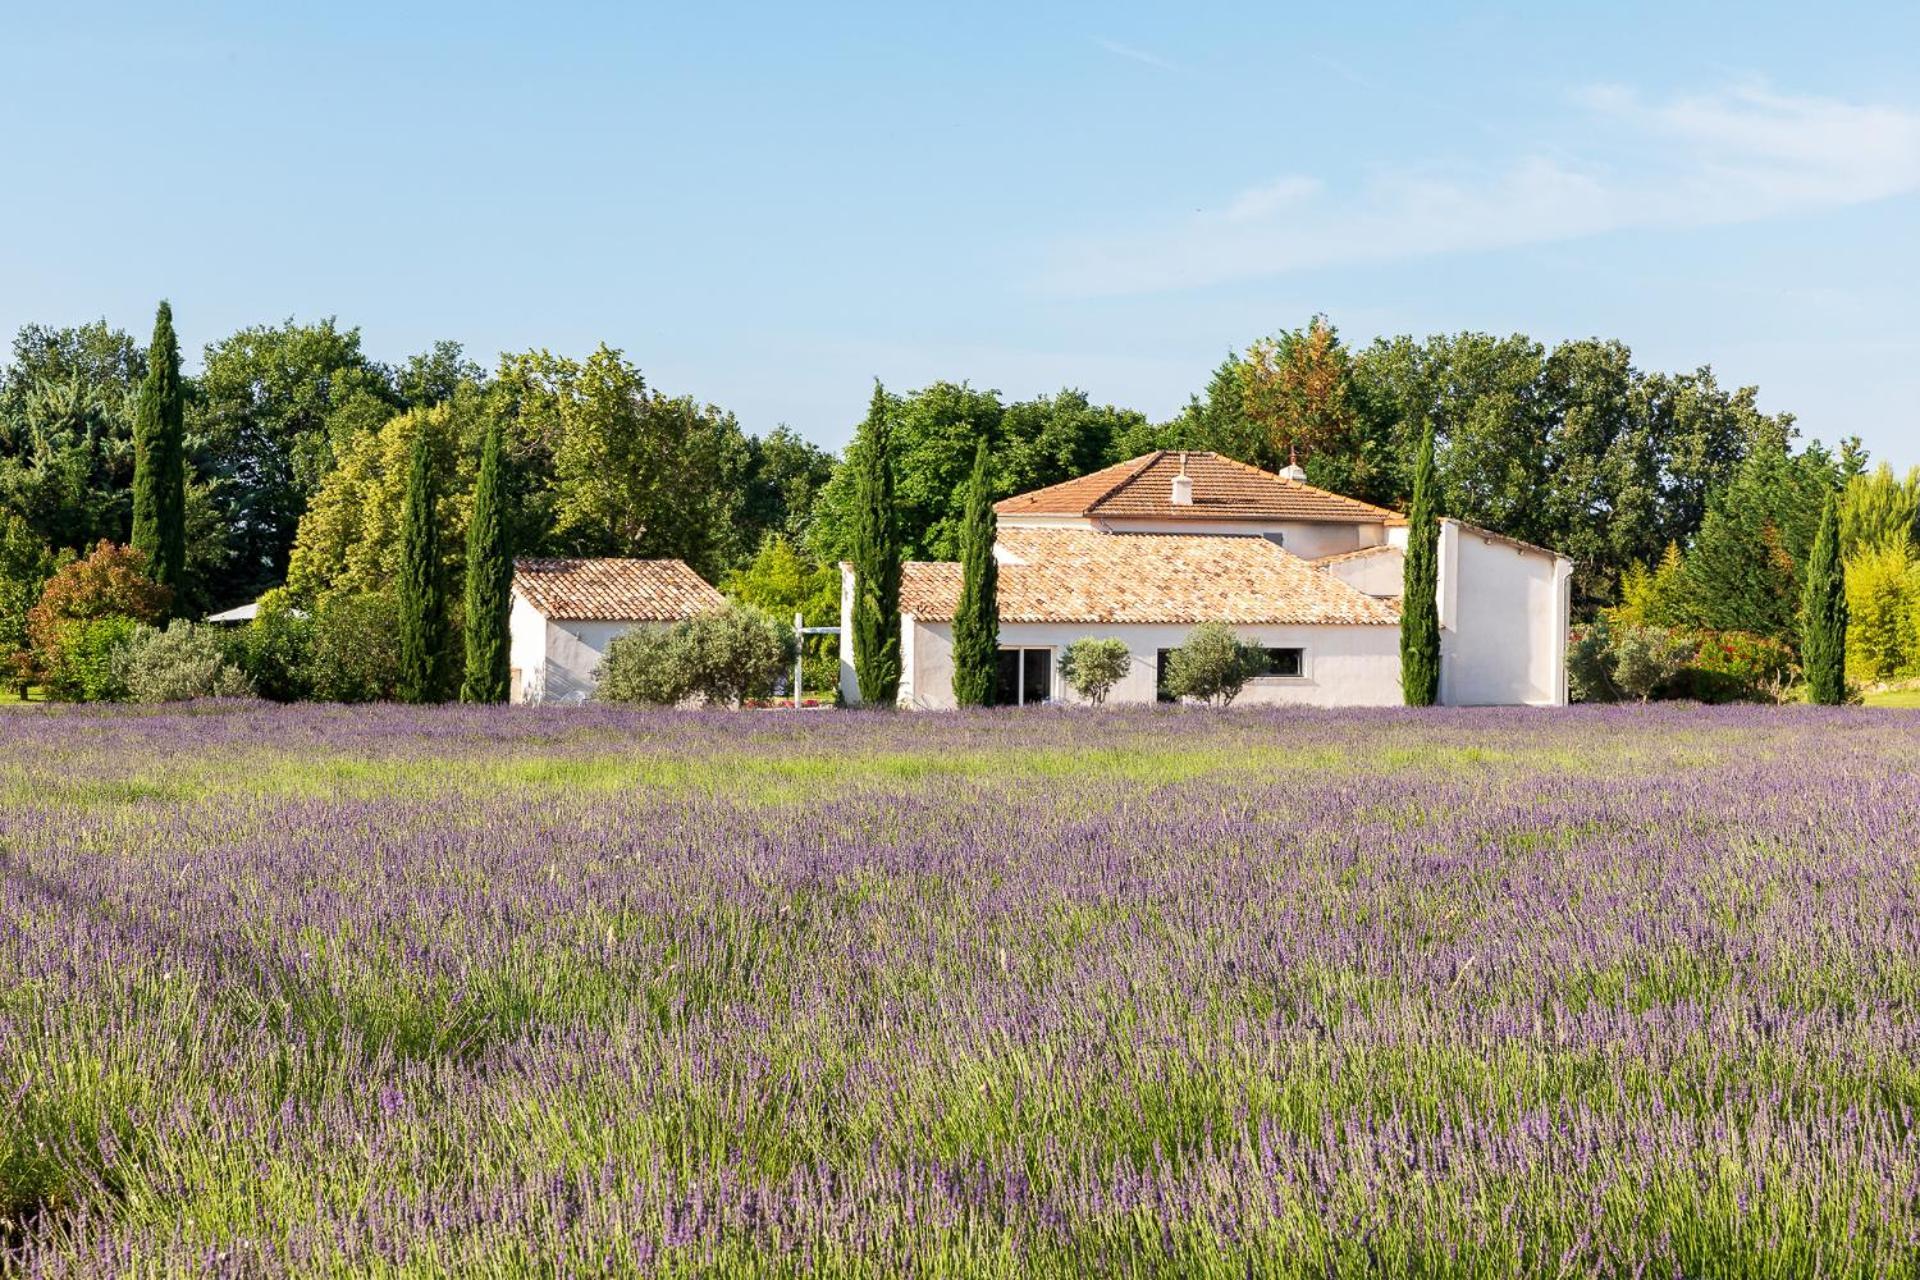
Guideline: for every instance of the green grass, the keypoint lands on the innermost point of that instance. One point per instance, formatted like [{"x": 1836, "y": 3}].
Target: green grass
[{"x": 1893, "y": 698}]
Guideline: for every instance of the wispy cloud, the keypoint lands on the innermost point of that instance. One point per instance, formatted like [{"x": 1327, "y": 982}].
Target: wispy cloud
[
  {"x": 1127, "y": 51},
  {"x": 1737, "y": 155}
]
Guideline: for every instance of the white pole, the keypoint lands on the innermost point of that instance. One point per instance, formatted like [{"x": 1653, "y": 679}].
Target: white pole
[{"x": 799, "y": 657}]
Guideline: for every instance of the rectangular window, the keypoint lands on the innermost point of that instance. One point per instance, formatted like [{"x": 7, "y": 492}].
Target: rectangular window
[
  {"x": 1025, "y": 676},
  {"x": 1283, "y": 662}
]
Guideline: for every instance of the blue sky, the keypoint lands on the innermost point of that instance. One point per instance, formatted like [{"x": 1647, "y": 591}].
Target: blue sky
[{"x": 767, "y": 206}]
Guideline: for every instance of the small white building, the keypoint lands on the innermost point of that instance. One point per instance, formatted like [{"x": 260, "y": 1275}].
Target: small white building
[
  {"x": 1144, "y": 550},
  {"x": 566, "y": 612}
]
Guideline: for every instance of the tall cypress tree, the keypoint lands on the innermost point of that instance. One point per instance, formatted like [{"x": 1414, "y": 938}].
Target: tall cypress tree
[
  {"x": 1420, "y": 599},
  {"x": 976, "y": 623},
  {"x": 489, "y": 582},
  {"x": 876, "y": 560},
  {"x": 423, "y": 613},
  {"x": 1823, "y": 614},
  {"x": 160, "y": 460}
]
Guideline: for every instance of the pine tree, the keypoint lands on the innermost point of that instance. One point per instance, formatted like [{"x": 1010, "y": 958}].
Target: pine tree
[
  {"x": 423, "y": 615},
  {"x": 160, "y": 460},
  {"x": 489, "y": 583},
  {"x": 976, "y": 623},
  {"x": 876, "y": 560},
  {"x": 1420, "y": 599},
  {"x": 1823, "y": 615}
]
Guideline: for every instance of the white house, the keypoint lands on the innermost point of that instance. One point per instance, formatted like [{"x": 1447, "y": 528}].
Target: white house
[
  {"x": 566, "y": 612},
  {"x": 1144, "y": 550}
]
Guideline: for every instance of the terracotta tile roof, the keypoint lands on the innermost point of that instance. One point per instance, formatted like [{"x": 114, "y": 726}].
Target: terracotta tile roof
[
  {"x": 1223, "y": 489},
  {"x": 614, "y": 590},
  {"x": 1079, "y": 575}
]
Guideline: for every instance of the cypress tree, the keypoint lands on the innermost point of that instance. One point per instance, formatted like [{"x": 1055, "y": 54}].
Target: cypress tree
[
  {"x": 1823, "y": 614},
  {"x": 876, "y": 560},
  {"x": 976, "y": 623},
  {"x": 489, "y": 582},
  {"x": 423, "y": 614},
  {"x": 1420, "y": 599},
  {"x": 160, "y": 460}
]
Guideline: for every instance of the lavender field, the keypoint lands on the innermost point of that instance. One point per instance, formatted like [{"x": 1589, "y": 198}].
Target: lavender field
[{"x": 408, "y": 993}]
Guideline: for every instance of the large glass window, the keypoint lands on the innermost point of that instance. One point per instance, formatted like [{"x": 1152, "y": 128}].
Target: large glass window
[{"x": 1025, "y": 676}]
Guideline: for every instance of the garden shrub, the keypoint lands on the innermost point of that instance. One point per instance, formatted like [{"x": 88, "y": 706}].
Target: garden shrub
[
  {"x": 1212, "y": 666},
  {"x": 1590, "y": 663},
  {"x": 1091, "y": 667},
  {"x": 647, "y": 664},
  {"x": 178, "y": 664},
  {"x": 109, "y": 582},
  {"x": 276, "y": 649},
  {"x": 81, "y": 662},
  {"x": 1647, "y": 658},
  {"x": 1737, "y": 666},
  {"x": 355, "y": 649},
  {"x": 726, "y": 657}
]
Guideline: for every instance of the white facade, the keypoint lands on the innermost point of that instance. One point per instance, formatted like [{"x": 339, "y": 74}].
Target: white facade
[
  {"x": 1503, "y": 606},
  {"x": 1342, "y": 666},
  {"x": 553, "y": 659}
]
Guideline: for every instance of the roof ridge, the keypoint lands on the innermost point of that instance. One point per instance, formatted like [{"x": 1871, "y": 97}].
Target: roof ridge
[
  {"x": 1310, "y": 488},
  {"x": 1141, "y": 464}
]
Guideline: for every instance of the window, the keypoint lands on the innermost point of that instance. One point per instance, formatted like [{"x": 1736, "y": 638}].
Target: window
[
  {"x": 1289, "y": 663},
  {"x": 1025, "y": 677}
]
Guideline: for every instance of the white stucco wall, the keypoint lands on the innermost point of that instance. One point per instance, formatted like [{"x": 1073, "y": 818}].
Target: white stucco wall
[
  {"x": 1344, "y": 666},
  {"x": 555, "y": 657},
  {"x": 1503, "y": 618},
  {"x": 1382, "y": 574}
]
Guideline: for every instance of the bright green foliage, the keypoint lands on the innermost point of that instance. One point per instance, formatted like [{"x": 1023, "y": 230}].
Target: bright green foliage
[
  {"x": 1420, "y": 597},
  {"x": 1880, "y": 511},
  {"x": 1651, "y": 597},
  {"x": 1212, "y": 665},
  {"x": 1823, "y": 614},
  {"x": 354, "y": 652},
  {"x": 876, "y": 558},
  {"x": 179, "y": 663},
  {"x": 976, "y": 620},
  {"x": 1091, "y": 667},
  {"x": 489, "y": 588},
  {"x": 422, "y": 598},
  {"x": 80, "y": 660},
  {"x": 780, "y": 582},
  {"x": 276, "y": 649},
  {"x": 1883, "y": 615},
  {"x": 160, "y": 460}
]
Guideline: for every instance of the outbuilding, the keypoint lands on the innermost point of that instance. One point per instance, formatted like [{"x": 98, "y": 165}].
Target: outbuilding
[{"x": 566, "y": 612}]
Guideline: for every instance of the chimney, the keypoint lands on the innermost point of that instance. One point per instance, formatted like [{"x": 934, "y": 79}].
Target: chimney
[
  {"x": 1183, "y": 485},
  {"x": 1293, "y": 470}
]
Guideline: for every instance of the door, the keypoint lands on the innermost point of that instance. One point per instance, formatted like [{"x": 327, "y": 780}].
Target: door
[{"x": 1024, "y": 676}]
